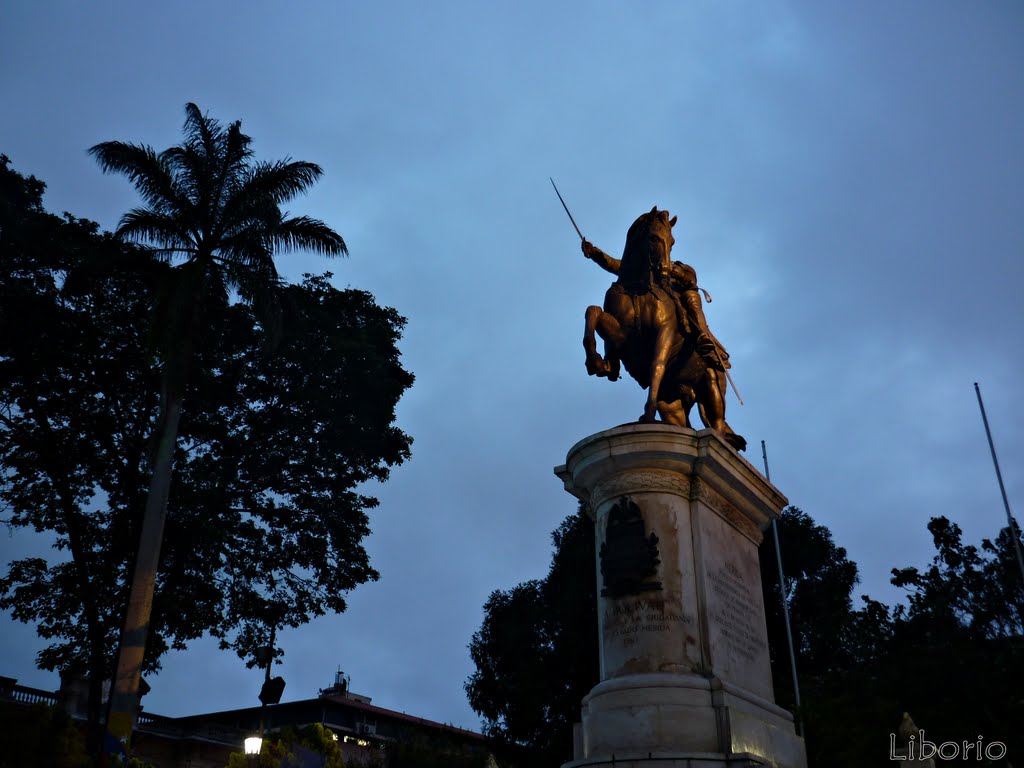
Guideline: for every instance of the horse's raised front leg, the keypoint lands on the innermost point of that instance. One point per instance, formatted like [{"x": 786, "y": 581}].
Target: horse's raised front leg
[{"x": 605, "y": 325}]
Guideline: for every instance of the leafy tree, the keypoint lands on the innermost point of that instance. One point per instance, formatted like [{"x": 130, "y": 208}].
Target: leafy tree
[
  {"x": 837, "y": 648},
  {"x": 75, "y": 394},
  {"x": 957, "y": 654},
  {"x": 828, "y": 634},
  {"x": 976, "y": 592},
  {"x": 209, "y": 204},
  {"x": 269, "y": 475},
  {"x": 536, "y": 652},
  {"x": 264, "y": 525},
  {"x": 952, "y": 656}
]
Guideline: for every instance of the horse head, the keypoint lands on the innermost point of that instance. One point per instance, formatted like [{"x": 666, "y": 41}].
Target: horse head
[{"x": 647, "y": 256}]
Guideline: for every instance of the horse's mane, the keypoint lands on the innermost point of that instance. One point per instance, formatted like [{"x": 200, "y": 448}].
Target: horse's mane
[
  {"x": 646, "y": 221},
  {"x": 637, "y": 270}
]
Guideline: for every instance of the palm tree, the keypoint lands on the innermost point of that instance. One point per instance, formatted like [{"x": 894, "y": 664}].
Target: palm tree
[{"x": 215, "y": 214}]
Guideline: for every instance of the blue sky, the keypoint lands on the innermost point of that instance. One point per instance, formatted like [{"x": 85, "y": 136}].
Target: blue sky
[{"x": 847, "y": 178}]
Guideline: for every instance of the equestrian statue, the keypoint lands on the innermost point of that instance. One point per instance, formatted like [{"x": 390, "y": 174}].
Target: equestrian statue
[{"x": 653, "y": 323}]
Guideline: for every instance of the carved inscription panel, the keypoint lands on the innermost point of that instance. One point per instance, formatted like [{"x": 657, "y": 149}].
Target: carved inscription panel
[
  {"x": 626, "y": 620},
  {"x": 737, "y": 638},
  {"x": 648, "y": 634},
  {"x": 734, "y": 609}
]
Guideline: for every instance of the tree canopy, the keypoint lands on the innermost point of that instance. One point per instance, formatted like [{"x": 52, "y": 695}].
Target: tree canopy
[
  {"x": 953, "y": 655},
  {"x": 265, "y": 520},
  {"x": 536, "y": 651}
]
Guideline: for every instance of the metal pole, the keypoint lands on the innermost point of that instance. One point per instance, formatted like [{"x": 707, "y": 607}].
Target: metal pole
[
  {"x": 266, "y": 676},
  {"x": 1002, "y": 489},
  {"x": 785, "y": 606}
]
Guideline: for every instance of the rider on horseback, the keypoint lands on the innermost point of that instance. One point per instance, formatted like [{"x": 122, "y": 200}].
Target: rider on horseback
[
  {"x": 682, "y": 284},
  {"x": 653, "y": 323}
]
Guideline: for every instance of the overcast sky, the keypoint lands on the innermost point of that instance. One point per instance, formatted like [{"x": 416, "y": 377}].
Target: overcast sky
[{"x": 847, "y": 178}]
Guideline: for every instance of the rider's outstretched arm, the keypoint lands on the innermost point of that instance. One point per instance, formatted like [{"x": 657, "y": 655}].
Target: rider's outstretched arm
[{"x": 600, "y": 258}]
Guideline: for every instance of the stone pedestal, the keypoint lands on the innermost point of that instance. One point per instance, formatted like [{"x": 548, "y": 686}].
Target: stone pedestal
[{"x": 685, "y": 674}]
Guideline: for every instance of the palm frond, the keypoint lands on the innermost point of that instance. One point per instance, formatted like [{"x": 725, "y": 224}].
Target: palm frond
[
  {"x": 308, "y": 234},
  {"x": 147, "y": 226},
  {"x": 236, "y": 147},
  {"x": 152, "y": 174},
  {"x": 231, "y": 171},
  {"x": 202, "y": 131},
  {"x": 209, "y": 202},
  {"x": 250, "y": 280},
  {"x": 189, "y": 168},
  {"x": 249, "y": 251},
  {"x": 280, "y": 181}
]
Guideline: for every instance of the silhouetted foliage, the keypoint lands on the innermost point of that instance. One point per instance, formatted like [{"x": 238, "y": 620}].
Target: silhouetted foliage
[
  {"x": 216, "y": 211},
  {"x": 76, "y": 394},
  {"x": 40, "y": 736},
  {"x": 952, "y": 656},
  {"x": 836, "y": 647},
  {"x": 536, "y": 651},
  {"x": 265, "y": 525},
  {"x": 957, "y": 654}
]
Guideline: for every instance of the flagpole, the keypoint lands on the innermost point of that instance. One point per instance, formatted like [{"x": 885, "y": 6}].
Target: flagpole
[
  {"x": 785, "y": 605},
  {"x": 1002, "y": 489}
]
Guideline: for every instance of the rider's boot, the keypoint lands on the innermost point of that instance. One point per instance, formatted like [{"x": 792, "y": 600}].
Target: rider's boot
[{"x": 613, "y": 369}]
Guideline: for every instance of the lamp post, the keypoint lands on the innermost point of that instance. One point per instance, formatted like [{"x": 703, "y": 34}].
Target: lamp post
[
  {"x": 272, "y": 687},
  {"x": 253, "y": 745}
]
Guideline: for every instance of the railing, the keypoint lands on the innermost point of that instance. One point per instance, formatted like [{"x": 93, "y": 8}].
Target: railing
[
  {"x": 155, "y": 721},
  {"x": 22, "y": 694},
  {"x": 147, "y": 722}
]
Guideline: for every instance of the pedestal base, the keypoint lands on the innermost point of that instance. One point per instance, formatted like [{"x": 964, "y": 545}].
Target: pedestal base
[
  {"x": 685, "y": 672},
  {"x": 686, "y": 717}
]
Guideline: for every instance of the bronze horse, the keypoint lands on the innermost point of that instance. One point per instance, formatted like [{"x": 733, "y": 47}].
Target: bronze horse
[{"x": 642, "y": 327}]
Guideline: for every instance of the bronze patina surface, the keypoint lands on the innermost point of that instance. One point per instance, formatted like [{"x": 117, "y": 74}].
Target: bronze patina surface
[{"x": 653, "y": 323}]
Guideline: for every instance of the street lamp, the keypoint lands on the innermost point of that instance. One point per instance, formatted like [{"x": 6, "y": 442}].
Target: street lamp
[
  {"x": 272, "y": 688},
  {"x": 253, "y": 745}
]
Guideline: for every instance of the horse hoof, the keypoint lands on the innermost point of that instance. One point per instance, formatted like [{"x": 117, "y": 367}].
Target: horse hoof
[
  {"x": 597, "y": 366},
  {"x": 647, "y": 418},
  {"x": 736, "y": 441}
]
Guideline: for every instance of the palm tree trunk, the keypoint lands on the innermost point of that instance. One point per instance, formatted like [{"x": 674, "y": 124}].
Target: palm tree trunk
[{"x": 124, "y": 697}]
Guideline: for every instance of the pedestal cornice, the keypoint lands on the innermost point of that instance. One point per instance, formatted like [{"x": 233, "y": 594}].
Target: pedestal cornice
[{"x": 671, "y": 458}]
